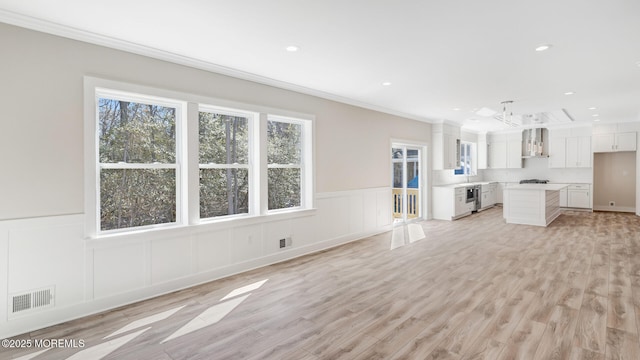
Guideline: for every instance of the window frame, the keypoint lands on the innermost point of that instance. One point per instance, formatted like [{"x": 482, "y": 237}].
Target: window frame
[
  {"x": 251, "y": 165},
  {"x": 305, "y": 160},
  {"x": 187, "y": 158},
  {"x": 473, "y": 157},
  {"x": 177, "y": 166}
]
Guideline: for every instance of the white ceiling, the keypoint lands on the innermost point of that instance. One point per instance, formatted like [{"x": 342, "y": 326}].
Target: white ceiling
[{"x": 438, "y": 55}]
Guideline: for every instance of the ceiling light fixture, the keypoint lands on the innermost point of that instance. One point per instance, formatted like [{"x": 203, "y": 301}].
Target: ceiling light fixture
[
  {"x": 386, "y": 83},
  {"x": 596, "y": 119},
  {"x": 456, "y": 109},
  {"x": 507, "y": 112},
  {"x": 594, "y": 115},
  {"x": 543, "y": 47},
  {"x": 592, "y": 108},
  {"x": 569, "y": 93},
  {"x": 292, "y": 48}
]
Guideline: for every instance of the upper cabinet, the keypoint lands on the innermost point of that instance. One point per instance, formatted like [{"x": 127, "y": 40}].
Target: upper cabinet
[
  {"x": 615, "y": 137},
  {"x": 570, "y": 148},
  {"x": 504, "y": 151},
  {"x": 446, "y": 146},
  {"x": 614, "y": 142}
]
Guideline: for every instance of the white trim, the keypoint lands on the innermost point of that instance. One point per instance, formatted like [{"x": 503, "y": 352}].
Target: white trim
[
  {"x": 187, "y": 164},
  {"x": 139, "y": 166},
  {"x": 113, "y": 43}
]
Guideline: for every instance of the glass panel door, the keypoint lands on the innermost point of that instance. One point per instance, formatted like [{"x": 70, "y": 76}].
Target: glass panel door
[{"x": 406, "y": 184}]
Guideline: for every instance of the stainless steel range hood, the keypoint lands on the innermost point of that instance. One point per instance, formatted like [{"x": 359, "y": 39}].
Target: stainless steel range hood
[{"x": 534, "y": 143}]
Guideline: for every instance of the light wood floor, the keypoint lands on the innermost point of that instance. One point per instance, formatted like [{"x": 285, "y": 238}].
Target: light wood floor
[{"x": 475, "y": 288}]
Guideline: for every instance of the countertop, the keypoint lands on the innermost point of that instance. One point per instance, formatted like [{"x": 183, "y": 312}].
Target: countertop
[
  {"x": 458, "y": 185},
  {"x": 550, "y": 187}
]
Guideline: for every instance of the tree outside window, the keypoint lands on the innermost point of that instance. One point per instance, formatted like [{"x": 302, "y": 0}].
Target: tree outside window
[
  {"x": 137, "y": 163},
  {"x": 224, "y": 164},
  {"x": 284, "y": 164}
]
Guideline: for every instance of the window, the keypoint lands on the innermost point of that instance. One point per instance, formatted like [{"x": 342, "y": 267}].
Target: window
[
  {"x": 284, "y": 163},
  {"x": 467, "y": 159},
  {"x": 158, "y": 158},
  {"x": 224, "y": 163},
  {"x": 137, "y": 161}
]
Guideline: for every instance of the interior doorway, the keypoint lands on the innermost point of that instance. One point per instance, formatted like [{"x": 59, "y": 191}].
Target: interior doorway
[{"x": 407, "y": 182}]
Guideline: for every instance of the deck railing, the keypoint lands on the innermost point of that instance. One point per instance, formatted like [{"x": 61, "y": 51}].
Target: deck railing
[{"x": 413, "y": 203}]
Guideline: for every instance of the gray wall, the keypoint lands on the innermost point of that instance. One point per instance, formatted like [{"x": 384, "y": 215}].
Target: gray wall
[{"x": 41, "y": 130}]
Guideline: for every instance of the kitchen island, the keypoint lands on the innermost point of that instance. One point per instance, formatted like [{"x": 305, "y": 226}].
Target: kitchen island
[{"x": 532, "y": 204}]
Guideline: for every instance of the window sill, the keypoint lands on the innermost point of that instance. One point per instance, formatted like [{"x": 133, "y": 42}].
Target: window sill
[{"x": 172, "y": 230}]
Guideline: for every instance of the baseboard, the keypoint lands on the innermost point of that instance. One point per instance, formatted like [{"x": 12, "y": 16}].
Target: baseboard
[
  {"x": 39, "y": 320},
  {"x": 615, "y": 208}
]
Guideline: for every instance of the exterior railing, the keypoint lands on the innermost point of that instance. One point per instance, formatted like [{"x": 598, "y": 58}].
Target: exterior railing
[{"x": 413, "y": 203}]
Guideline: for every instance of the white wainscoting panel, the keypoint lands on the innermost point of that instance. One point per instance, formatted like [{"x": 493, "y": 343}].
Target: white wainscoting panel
[
  {"x": 119, "y": 269},
  {"x": 45, "y": 252},
  {"x": 246, "y": 243},
  {"x": 94, "y": 275},
  {"x": 212, "y": 249},
  {"x": 170, "y": 259}
]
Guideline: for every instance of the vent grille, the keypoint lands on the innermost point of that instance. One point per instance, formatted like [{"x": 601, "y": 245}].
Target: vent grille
[{"x": 35, "y": 299}]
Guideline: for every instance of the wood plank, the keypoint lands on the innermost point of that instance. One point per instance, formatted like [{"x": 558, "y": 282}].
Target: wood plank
[
  {"x": 621, "y": 345},
  {"x": 568, "y": 291},
  {"x": 523, "y": 343},
  {"x": 554, "y": 343},
  {"x": 591, "y": 331}
]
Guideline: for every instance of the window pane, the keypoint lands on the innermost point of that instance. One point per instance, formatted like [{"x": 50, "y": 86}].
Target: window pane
[
  {"x": 139, "y": 197},
  {"x": 224, "y": 139},
  {"x": 284, "y": 143},
  {"x": 224, "y": 192},
  {"x": 283, "y": 188},
  {"x": 136, "y": 133}
]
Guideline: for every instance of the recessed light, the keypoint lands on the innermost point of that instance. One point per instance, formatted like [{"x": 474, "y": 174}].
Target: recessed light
[
  {"x": 594, "y": 115},
  {"x": 386, "y": 83},
  {"x": 486, "y": 112},
  {"x": 596, "y": 119},
  {"x": 543, "y": 47},
  {"x": 292, "y": 48},
  {"x": 456, "y": 109},
  {"x": 592, "y": 108},
  {"x": 569, "y": 93}
]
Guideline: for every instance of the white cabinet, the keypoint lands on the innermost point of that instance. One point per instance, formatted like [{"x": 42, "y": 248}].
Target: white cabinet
[
  {"x": 514, "y": 153},
  {"x": 497, "y": 155},
  {"x": 461, "y": 202},
  {"x": 483, "y": 154},
  {"x": 488, "y": 195},
  {"x": 450, "y": 203},
  {"x": 557, "y": 152},
  {"x": 563, "y": 197},
  {"x": 570, "y": 148},
  {"x": 446, "y": 147},
  {"x": 505, "y": 151},
  {"x": 579, "y": 196},
  {"x": 614, "y": 142},
  {"x": 578, "y": 152}
]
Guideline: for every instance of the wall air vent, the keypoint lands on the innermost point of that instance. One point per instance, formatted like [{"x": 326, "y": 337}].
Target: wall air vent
[{"x": 28, "y": 301}]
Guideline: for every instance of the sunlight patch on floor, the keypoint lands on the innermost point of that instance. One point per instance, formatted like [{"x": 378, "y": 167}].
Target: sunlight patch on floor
[
  {"x": 209, "y": 317},
  {"x": 101, "y": 350},
  {"x": 406, "y": 234},
  {"x": 145, "y": 321},
  {"x": 244, "y": 289}
]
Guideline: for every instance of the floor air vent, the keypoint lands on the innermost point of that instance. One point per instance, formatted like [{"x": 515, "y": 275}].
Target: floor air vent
[{"x": 35, "y": 299}]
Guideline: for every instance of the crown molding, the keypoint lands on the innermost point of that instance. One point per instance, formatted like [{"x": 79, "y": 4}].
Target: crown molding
[{"x": 65, "y": 31}]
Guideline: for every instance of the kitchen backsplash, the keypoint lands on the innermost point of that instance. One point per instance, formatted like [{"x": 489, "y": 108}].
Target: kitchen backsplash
[
  {"x": 538, "y": 168},
  {"x": 534, "y": 168}
]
